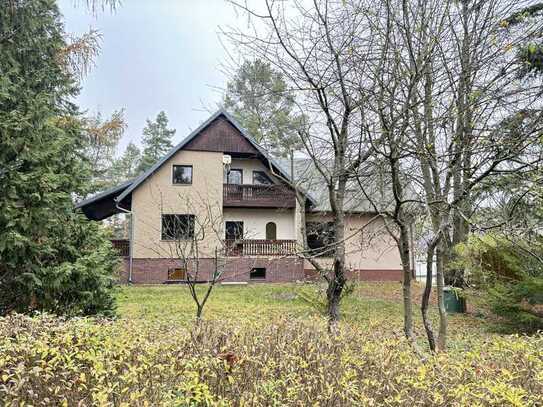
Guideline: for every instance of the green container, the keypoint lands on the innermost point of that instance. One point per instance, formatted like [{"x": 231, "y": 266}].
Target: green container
[{"x": 454, "y": 303}]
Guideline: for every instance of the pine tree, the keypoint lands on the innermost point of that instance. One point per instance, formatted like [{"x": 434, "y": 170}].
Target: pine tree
[
  {"x": 259, "y": 99},
  {"x": 51, "y": 258},
  {"x": 127, "y": 166},
  {"x": 157, "y": 141},
  {"x": 100, "y": 140}
]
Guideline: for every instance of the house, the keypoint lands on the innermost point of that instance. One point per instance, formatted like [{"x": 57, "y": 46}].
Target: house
[{"x": 219, "y": 172}]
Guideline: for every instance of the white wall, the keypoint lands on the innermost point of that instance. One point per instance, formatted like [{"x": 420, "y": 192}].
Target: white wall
[{"x": 255, "y": 219}]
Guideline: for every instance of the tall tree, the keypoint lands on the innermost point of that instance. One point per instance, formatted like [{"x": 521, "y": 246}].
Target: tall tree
[
  {"x": 157, "y": 141},
  {"x": 101, "y": 138},
  {"x": 260, "y": 100},
  {"x": 127, "y": 166},
  {"x": 51, "y": 258},
  {"x": 314, "y": 50}
]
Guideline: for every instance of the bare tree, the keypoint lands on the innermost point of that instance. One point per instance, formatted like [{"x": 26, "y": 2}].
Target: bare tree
[
  {"x": 195, "y": 243},
  {"x": 466, "y": 90},
  {"x": 312, "y": 46},
  {"x": 442, "y": 81}
]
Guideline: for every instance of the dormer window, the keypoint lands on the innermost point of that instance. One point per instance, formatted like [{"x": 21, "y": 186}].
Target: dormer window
[
  {"x": 261, "y": 178},
  {"x": 182, "y": 174}
]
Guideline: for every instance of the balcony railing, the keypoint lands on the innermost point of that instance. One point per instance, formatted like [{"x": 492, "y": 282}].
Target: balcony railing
[
  {"x": 122, "y": 246},
  {"x": 256, "y": 247},
  {"x": 275, "y": 196}
]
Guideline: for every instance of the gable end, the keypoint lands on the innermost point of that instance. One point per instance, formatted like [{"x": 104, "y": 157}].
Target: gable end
[{"x": 221, "y": 136}]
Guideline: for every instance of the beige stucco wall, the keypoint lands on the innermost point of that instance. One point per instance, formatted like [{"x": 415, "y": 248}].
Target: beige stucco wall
[
  {"x": 157, "y": 195},
  {"x": 254, "y": 221},
  {"x": 371, "y": 249},
  {"x": 367, "y": 248},
  {"x": 248, "y": 166}
]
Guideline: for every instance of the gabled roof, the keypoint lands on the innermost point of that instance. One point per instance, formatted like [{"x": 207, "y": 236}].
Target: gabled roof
[{"x": 139, "y": 180}]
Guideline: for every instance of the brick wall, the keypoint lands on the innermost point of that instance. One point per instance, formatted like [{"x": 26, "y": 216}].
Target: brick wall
[
  {"x": 363, "y": 275},
  {"x": 155, "y": 271}
]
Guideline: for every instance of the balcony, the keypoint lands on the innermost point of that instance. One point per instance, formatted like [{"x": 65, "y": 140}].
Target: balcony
[
  {"x": 258, "y": 196},
  {"x": 256, "y": 247}
]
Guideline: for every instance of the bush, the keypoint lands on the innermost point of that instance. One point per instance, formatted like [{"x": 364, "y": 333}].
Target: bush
[
  {"x": 511, "y": 274},
  {"x": 49, "y": 361},
  {"x": 78, "y": 279}
]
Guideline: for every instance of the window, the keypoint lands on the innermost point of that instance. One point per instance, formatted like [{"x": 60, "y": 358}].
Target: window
[
  {"x": 258, "y": 273},
  {"x": 182, "y": 174},
  {"x": 320, "y": 238},
  {"x": 177, "y": 227},
  {"x": 271, "y": 231},
  {"x": 234, "y": 176},
  {"x": 234, "y": 230},
  {"x": 177, "y": 274},
  {"x": 261, "y": 178}
]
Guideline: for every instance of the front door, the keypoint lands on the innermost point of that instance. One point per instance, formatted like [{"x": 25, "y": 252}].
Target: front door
[{"x": 233, "y": 236}]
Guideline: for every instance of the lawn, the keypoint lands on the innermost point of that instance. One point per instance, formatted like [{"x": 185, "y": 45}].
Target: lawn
[
  {"x": 261, "y": 345},
  {"x": 376, "y": 304}
]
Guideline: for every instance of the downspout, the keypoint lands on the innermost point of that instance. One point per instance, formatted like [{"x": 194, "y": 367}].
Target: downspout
[{"x": 131, "y": 243}]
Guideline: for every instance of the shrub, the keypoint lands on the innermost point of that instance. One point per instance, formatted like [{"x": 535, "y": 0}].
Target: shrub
[
  {"x": 511, "y": 274},
  {"x": 49, "y": 361},
  {"x": 80, "y": 281}
]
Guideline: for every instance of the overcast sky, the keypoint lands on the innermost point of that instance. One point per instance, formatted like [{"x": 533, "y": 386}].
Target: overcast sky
[{"x": 156, "y": 55}]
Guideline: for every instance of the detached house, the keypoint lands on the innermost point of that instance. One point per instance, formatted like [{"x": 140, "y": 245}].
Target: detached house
[{"x": 219, "y": 172}]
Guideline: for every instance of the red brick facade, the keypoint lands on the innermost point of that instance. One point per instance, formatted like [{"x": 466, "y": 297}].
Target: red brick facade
[
  {"x": 363, "y": 275},
  {"x": 155, "y": 271}
]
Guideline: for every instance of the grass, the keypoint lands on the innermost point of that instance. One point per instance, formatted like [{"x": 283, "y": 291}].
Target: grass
[{"x": 371, "y": 304}]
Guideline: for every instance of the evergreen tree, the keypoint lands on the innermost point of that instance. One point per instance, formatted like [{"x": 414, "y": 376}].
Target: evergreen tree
[
  {"x": 51, "y": 258},
  {"x": 127, "y": 166},
  {"x": 157, "y": 141},
  {"x": 100, "y": 140},
  {"x": 259, "y": 99}
]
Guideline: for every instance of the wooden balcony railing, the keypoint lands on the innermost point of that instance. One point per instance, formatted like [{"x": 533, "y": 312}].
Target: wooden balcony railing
[
  {"x": 256, "y": 247},
  {"x": 122, "y": 246},
  {"x": 275, "y": 196}
]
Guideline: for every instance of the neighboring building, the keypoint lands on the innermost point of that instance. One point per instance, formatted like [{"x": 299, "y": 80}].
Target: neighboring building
[{"x": 219, "y": 172}]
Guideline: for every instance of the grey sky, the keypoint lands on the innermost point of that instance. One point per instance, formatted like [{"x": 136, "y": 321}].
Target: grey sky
[{"x": 156, "y": 55}]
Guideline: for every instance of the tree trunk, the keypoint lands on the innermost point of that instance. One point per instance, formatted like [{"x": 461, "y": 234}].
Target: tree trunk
[
  {"x": 442, "y": 336},
  {"x": 407, "y": 276},
  {"x": 333, "y": 295},
  {"x": 337, "y": 281},
  {"x": 426, "y": 298},
  {"x": 199, "y": 312}
]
